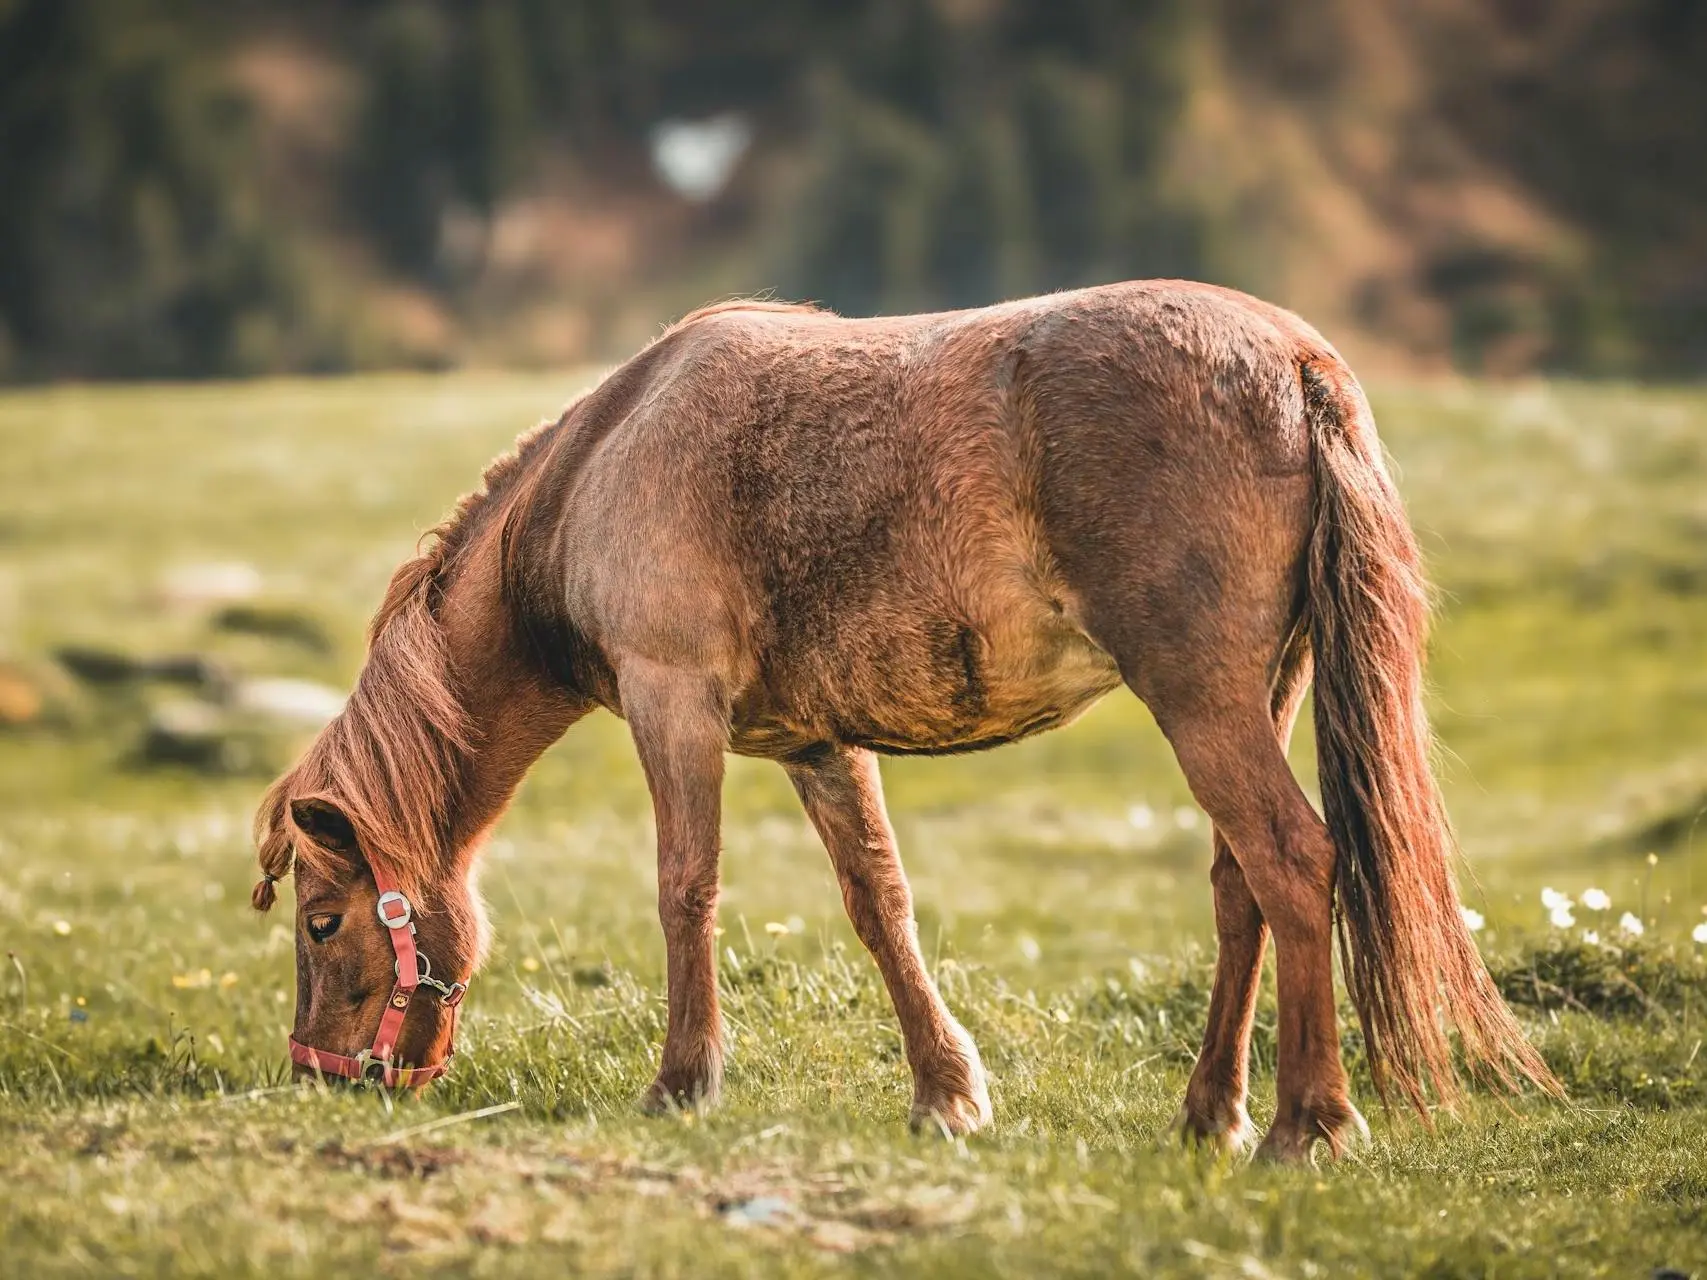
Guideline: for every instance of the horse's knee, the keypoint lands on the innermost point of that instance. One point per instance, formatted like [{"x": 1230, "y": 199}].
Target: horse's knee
[{"x": 688, "y": 900}]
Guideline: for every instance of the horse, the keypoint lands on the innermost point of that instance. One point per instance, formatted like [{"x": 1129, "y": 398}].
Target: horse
[{"x": 787, "y": 534}]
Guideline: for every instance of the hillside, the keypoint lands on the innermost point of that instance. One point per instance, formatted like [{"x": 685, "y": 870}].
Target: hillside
[{"x": 199, "y": 188}]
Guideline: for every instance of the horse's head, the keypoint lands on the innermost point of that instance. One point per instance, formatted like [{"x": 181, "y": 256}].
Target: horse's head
[
  {"x": 383, "y": 816},
  {"x": 359, "y": 926}
]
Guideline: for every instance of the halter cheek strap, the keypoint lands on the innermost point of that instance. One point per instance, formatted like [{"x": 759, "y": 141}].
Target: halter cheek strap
[{"x": 414, "y": 971}]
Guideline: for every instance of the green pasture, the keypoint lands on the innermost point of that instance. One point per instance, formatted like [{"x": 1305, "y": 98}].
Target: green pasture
[{"x": 1062, "y": 890}]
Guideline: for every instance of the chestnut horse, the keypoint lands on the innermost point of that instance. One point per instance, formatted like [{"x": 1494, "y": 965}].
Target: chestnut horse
[{"x": 783, "y": 533}]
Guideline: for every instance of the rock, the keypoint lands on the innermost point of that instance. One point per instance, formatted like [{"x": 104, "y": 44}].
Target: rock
[
  {"x": 194, "y": 734},
  {"x": 277, "y": 622},
  {"x": 21, "y": 699},
  {"x": 202, "y": 585},
  {"x": 759, "y": 1211},
  {"x": 98, "y": 666},
  {"x": 191, "y": 669},
  {"x": 288, "y": 701},
  {"x": 245, "y": 731},
  {"x": 37, "y": 695},
  {"x": 110, "y": 667}
]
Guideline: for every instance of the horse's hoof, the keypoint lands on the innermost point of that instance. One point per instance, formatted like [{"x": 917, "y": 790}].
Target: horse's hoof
[
  {"x": 954, "y": 1098},
  {"x": 953, "y": 1115},
  {"x": 662, "y": 1097},
  {"x": 1338, "y": 1124},
  {"x": 1229, "y": 1134}
]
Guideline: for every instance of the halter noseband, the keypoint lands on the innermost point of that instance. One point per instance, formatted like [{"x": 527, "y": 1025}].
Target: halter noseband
[{"x": 414, "y": 971}]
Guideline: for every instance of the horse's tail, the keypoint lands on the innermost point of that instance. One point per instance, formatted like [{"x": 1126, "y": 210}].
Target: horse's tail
[{"x": 1410, "y": 962}]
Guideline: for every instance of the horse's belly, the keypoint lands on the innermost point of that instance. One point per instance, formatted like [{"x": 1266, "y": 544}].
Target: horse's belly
[
  {"x": 938, "y": 688},
  {"x": 1018, "y": 700}
]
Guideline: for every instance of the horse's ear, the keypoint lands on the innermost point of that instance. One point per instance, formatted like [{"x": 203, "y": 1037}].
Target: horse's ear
[{"x": 325, "y": 824}]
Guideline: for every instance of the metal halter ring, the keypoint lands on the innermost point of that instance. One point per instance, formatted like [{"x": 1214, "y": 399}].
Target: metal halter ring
[
  {"x": 449, "y": 993},
  {"x": 394, "y": 922}
]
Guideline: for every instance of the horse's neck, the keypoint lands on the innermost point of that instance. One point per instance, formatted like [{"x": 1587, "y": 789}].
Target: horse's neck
[{"x": 515, "y": 709}]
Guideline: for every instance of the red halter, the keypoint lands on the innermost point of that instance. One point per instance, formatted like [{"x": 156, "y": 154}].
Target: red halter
[{"x": 414, "y": 971}]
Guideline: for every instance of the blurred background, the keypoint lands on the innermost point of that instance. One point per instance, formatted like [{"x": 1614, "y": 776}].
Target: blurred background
[{"x": 196, "y": 188}]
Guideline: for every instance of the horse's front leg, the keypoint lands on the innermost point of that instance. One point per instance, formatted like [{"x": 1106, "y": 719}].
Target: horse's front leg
[
  {"x": 680, "y": 731},
  {"x": 843, "y": 796}
]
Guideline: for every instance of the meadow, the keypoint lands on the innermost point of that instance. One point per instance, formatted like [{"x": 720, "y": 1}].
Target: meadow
[{"x": 146, "y": 1127}]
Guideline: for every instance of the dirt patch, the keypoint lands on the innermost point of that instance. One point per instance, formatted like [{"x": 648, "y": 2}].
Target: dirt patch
[
  {"x": 391, "y": 1160},
  {"x": 824, "y": 1209}
]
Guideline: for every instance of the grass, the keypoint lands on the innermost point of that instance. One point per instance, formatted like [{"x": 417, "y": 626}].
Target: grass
[{"x": 1061, "y": 883}]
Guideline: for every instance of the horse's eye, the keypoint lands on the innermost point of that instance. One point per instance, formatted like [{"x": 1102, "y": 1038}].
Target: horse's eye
[{"x": 321, "y": 928}]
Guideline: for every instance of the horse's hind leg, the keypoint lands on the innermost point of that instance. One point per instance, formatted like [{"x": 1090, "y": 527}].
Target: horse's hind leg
[
  {"x": 1214, "y": 1109},
  {"x": 1233, "y": 761},
  {"x": 843, "y": 795}
]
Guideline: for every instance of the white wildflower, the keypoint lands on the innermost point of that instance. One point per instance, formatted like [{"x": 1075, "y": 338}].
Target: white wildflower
[
  {"x": 1561, "y": 916},
  {"x": 1700, "y": 934},
  {"x": 1630, "y": 925},
  {"x": 1473, "y": 920},
  {"x": 1552, "y": 899},
  {"x": 1591, "y": 937},
  {"x": 1596, "y": 899}
]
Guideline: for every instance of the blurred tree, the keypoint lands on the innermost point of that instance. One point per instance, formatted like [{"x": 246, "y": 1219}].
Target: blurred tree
[
  {"x": 401, "y": 170},
  {"x": 907, "y": 154},
  {"x": 496, "y": 121},
  {"x": 131, "y": 242},
  {"x": 1013, "y": 149},
  {"x": 864, "y": 224}
]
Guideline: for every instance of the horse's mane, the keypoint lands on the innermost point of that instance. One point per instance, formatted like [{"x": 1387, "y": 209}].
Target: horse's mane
[{"x": 391, "y": 760}]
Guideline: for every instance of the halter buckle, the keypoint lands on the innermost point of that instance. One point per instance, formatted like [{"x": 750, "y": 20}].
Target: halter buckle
[
  {"x": 364, "y": 1060},
  {"x": 394, "y": 921}
]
